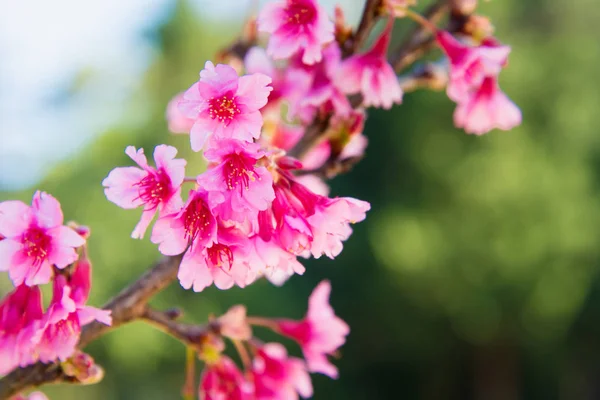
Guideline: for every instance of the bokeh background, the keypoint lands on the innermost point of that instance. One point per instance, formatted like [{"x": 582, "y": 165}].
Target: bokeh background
[{"x": 475, "y": 275}]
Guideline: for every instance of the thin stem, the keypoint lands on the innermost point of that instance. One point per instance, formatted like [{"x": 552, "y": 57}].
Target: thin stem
[
  {"x": 415, "y": 16},
  {"x": 190, "y": 179},
  {"x": 189, "y": 387},
  {"x": 267, "y": 323},
  {"x": 243, "y": 352}
]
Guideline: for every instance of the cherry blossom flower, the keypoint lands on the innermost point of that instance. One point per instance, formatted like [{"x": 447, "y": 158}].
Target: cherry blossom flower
[
  {"x": 474, "y": 71},
  {"x": 277, "y": 376},
  {"x": 258, "y": 62},
  {"x": 223, "y": 380},
  {"x": 296, "y": 25},
  {"x": 177, "y": 121},
  {"x": 224, "y": 105},
  {"x": 314, "y": 87},
  {"x": 372, "y": 75},
  {"x": 268, "y": 259},
  {"x": 61, "y": 324},
  {"x": 194, "y": 225},
  {"x": 156, "y": 189},
  {"x": 486, "y": 109},
  {"x": 222, "y": 263},
  {"x": 238, "y": 187},
  {"x": 19, "y": 312},
  {"x": 320, "y": 333},
  {"x": 330, "y": 224},
  {"x": 35, "y": 239}
]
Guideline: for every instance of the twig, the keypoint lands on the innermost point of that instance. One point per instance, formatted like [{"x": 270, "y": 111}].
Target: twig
[
  {"x": 368, "y": 19},
  {"x": 189, "y": 334},
  {"x": 127, "y": 306},
  {"x": 419, "y": 40}
]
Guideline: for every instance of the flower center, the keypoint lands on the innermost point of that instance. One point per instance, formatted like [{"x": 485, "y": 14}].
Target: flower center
[
  {"x": 223, "y": 108},
  {"x": 154, "y": 188},
  {"x": 36, "y": 244},
  {"x": 220, "y": 256},
  {"x": 301, "y": 13},
  {"x": 197, "y": 219},
  {"x": 238, "y": 170}
]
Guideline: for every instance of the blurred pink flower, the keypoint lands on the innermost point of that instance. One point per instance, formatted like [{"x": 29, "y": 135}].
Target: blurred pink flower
[
  {"x": 19, "y": 313},
  {"x": 156, "y": 189},
  {"x": 372, "y": 75},
  {"x": 35, "y": 239},
  {"x": 486, "y": 109},
  {"x": 223, "y": 380},
  {"x": 277, "y": 376},
  {"x": 296, "y": 25},
  {"x": 177, "y": 121},
  {"x": 224, "y": 105},
  {"x": 474, "y": 71},
  {"x": 320, "y": 333}
]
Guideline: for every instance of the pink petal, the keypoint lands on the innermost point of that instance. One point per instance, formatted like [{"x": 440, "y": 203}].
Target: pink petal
[
  {"x": 65, "y": 236},
  {"x": 88, "y": 314},
  {"x": 257, "y": 61},
  {"x": 120, "y": 186},
  {"x": 194, "y": 272},
  {"x": 198, "y": 135},
  {"x": 15, "y": 218},
  {"x": 253, "y": 90},
  {"x": 138, "y": 156},
  {"x": 47, "y": 210},
  {"x": 8, "y": 249},
  {"x": 142, "y": 226}
]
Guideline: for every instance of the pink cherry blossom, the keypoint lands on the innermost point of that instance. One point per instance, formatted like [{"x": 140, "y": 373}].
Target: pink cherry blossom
[
  {"x": 224, "y": 105},
  {"x": 234, "y": 324},
  {"x": 470, "y": 65},
  {"x": 35, "y": 240},
  {"x": 277, "y": 376},
  {"x": 238, "y": 187},
  {"x": 330, "y": 224},
  {"x": 314, "y": 87},
  {"x": 320, "y": 333},
  {"x": 270, "y": 260},
  {"x": 486, "y": 109},
  {"x": 296, "y": 25},
  {"x": 194, "y": 225},
  {"x": 61, "y": 325},
  {"x": 474, "y": 71},
  {"x": 372, "y": 75},
  {"x": 223, "y": 380},
  {"x": 222, "y": 263},
  {"x": 19, "y": 312},
  {"x": 156, "y": 189},
  {"x": 177, "y": 121},
  {"x": 258, "y": 62}
]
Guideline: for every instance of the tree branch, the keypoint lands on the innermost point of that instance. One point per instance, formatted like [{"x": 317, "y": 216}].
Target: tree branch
[
  {"x": 189, "y": 334},
  {"x": 127, "y": 306},
  {"x": 368, "y": 19}
]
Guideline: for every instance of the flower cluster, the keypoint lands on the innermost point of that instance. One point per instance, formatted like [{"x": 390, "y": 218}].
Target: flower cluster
[
  {"x": 37, "y": 248},
  {"x": 248, "y": 215},
  {"x": 269, "y": 372}
]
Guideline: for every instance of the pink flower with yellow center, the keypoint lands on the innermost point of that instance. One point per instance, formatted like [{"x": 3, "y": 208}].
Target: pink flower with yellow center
[
  {"x": 296, "y": 25},
  {"x": 225, "y": 106},
  {"x": 35, "y": 239}
]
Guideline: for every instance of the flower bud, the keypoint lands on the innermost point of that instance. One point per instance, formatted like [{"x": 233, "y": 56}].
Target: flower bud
[{"x": 82, "y": 367}]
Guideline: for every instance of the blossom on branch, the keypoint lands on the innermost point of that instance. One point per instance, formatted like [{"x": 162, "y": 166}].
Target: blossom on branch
[
  {"x": 296, "y": 26},
  {"x": 158, "y": 189},
  {"x": 35, "y": 239},
  {"x": 224, "y": 105}
]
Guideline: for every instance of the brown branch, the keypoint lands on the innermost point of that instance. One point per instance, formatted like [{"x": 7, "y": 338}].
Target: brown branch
[
  {"x": 189, "y": 334},
  {"x": 419, "y": 40},
  {"x": 127, "y": 306},
  {"x": 368, "y": 19}
]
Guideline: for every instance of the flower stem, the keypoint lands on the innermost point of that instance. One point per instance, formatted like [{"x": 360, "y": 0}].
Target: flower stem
[
  {"x": 243, "y": 352},
  {"x": 190, "y": 374},
  {"x": 415, "y": 16}
]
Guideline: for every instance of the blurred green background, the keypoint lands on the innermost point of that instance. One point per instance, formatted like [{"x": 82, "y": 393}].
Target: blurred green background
[{"x": 475, "y": 275}]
